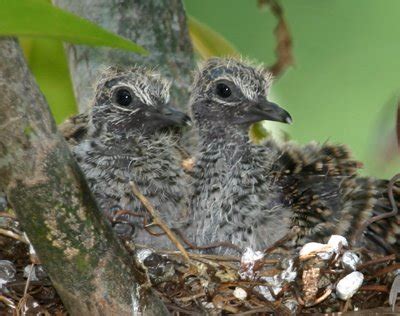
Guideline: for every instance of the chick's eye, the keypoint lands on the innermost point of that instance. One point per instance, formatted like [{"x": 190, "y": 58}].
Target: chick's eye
[
  {"x": 223, "y": 90},
  {"x": 123, "y": 97}
]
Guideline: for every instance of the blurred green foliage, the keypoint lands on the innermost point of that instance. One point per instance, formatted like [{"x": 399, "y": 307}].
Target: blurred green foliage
[
  {"x": 343, "y": 87},
  {"x": 39, "y": 18}
]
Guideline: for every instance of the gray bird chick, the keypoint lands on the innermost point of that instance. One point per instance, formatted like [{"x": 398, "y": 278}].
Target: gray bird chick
[
  {"x": 130, "y": 133},
  {"x": 252, "y": 195}
]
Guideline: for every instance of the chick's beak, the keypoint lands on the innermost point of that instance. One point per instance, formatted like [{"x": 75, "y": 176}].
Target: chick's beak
[
  {"x": 169, "y": 116},
  {"x": 266, "y": 110}
]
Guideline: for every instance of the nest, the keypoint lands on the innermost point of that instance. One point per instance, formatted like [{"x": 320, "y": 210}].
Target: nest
[
  {"x": 318, "y": 278},
  {"x": 279, "y": 282}
]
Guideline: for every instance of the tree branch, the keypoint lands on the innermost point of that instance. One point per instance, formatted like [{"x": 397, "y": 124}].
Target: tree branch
[
  {"x": 88, "y": 266},
  {"x": 157, "y": 25}
]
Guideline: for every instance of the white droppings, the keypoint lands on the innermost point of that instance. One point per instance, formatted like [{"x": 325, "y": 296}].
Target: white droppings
[
  {"x": 350, "y": 260},
  {"x": 248, "y": 261},
  {"x": 277, "y": 281},
  {"x": 7, "y": 272},
  {"x": 142, "y": 254},
  {"x": 310, "y": 249},
  {"x": 349, "y": 285},
  {"x": 240, "y": 293},
  {"x": 336, "y": 240},
  {"x": 394, "y": 292},
  {"x": 29, "y": 271},
  {"x": 251, "y": 256}
]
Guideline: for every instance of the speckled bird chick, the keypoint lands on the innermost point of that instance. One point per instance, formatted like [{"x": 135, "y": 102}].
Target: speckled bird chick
[
  {"x": 252, "y": 195},
  {"x": 130, "y": 133}
]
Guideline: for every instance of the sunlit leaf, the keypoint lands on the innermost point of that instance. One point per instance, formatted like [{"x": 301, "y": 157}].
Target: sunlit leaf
[
  {"x": 48, "y": 63},
  {"x": 258, "y": 132},
  {"x": 207, "y": 42},
  {"x": 36, "y": 18}
]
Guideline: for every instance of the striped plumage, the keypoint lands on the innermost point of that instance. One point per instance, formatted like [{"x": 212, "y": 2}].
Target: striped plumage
[
  {"x": 132, "y": 135},
  {"x": 252, "y": 195}
]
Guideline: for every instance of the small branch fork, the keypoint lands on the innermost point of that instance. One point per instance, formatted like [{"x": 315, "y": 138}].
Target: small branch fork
[
  {"x": 157, "y": 220},
  {"x": 171, "y": 233}
]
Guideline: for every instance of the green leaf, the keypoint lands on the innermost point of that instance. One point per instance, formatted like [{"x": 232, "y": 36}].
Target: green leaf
[
  {"x": 207, "y": 42},
  {"x": 258, "y": 133},
  {"x": 36, "y": 18}
]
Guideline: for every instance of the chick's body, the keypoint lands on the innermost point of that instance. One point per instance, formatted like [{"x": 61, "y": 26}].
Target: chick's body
[
  {"x": 252, "y": 195},
  {"x": 127, "y": 136}
]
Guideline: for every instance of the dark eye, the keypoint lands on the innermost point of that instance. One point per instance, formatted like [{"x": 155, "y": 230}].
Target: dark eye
[
  {"x": 223, "y": 90},
  {"x": 123, "y": 97}
]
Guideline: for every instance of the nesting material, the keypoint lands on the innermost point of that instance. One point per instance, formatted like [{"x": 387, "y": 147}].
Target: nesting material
[
  {"x": 350, "y": 260},
  {"x": 315, "y": 279},
  {"x": 240, "y": 293},
  {"x": 349, "y": 285},
  {"x": 7, "y": 272}
]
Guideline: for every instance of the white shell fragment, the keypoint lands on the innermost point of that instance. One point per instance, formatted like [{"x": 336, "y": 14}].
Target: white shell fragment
[
  {"x": 7, "y": 272},
  {"x": 350, "y": 260},
  {"x": 251, "y": 256},
  {"x": 30, "y": 270},
  {"x": 335, "y": 240},
  {"x": 37, "y": 273},
  {"x": 142, "y": 254},
  {"x": 394, "y": 292},
  {"x": 349, "y": 285},
  {"x": 240, "y": 293},
  {"x": 310, "y": 249},
  {"x": 247, "y": 262},
  {"x": 277, "y": 281}
]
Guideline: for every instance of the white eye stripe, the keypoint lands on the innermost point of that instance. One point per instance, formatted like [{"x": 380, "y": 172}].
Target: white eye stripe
[
  {"x": 245, "y": 85},
  {"x": 131, "y": 111},
  {"x": 143, "y": 92}
]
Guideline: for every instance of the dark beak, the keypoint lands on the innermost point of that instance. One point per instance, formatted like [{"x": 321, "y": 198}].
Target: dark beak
[
  {"x": 265, "y": 110},
  {"x": 169, "y": 116}
]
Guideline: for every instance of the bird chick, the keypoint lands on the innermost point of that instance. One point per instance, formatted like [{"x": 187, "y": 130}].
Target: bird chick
[
  {"x": 253, "y": 195},
  {"x": 130, "y": 134}
]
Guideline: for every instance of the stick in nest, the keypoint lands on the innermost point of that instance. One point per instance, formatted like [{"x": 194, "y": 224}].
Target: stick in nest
[
  {"x": 225, "y": 244},
  {"x": 157, "y": 219},
  {"x": 11, "y": 234},
  {"x": 293, "y": 232}
]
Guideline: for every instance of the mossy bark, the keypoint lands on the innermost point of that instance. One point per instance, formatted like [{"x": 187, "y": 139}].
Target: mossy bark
[
  {"x": 90, "y": 269},
  {"x": 158, "y": 25}
]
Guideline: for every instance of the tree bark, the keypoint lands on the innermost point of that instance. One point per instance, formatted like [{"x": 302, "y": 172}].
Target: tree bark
[
  {"x": 90, "y": 269},
  {"x": 157, "y": 25}
]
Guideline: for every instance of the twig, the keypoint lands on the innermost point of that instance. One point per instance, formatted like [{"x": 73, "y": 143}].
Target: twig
[
  {"x": 374, "y": 288},
  {"x": 157, "y": 220},
  {"x": 385, "y": 270},
  {"x": 29, "y": 279},
  {"x": 11, "y": 234},
  {"x": 322, "y": 298},
  {"x": 7, "y": 301},
  {"x": 225, "y": 244},
  {"x": 265, "y": 309},
  {"x": 293, "y": 232},
  {"x": 191, "y": 297},
  {"x": 199, "y": 255},
  {"x": 376, "y": 261},
  {"x": 283, "y": 38},
  {"x": 376, "y": 218}
]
